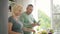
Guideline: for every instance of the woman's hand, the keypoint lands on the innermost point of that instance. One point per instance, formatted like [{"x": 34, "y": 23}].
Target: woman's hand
[{"x": 28, "y": 29}]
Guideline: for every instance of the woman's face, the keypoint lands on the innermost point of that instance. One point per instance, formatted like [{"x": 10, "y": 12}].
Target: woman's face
[{"x": 18, "y": 12}]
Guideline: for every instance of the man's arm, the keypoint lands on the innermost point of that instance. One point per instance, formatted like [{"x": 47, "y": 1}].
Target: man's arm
[
  {"x": 22, "y": 19},
  {"x": 33, "y": 19},
  {"x": 35, "y": 23}
]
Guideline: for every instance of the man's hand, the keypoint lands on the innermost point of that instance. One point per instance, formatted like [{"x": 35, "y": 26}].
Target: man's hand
[
  {"x": 33, "y": 30},
  {"x": 38, "y": 24},
  {"x": 35, "y": 24}
]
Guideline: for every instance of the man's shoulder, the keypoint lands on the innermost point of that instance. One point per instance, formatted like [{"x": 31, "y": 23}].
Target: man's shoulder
[{"x": 23, "y": 14}]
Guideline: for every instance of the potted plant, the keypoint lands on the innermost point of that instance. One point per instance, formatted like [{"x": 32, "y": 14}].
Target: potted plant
[
  {"x": 44, "y": 32},
  {"x": 51, "y": 31}
]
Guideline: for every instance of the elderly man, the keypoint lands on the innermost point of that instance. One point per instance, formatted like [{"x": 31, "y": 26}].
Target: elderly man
[{"x": 27, "y": 19}]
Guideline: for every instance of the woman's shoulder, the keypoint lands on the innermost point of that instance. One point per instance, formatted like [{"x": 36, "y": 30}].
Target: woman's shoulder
[{"x": 10, "y": 19}]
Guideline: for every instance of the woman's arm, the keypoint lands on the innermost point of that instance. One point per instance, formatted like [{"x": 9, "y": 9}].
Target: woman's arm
[
  {"x": 10, "y": 29},
  {"x": 28, "y": 29}
]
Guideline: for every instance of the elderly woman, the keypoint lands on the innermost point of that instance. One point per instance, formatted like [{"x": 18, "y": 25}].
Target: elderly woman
[{"x": 14, "y": 25}]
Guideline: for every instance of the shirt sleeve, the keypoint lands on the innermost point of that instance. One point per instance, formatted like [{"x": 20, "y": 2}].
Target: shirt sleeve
[
  {"x": 10, "y": 20},
  {"x": 33, "y": 19}
]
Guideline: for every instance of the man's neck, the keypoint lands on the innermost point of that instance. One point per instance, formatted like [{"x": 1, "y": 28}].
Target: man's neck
[{"x": 27, "y": 13}]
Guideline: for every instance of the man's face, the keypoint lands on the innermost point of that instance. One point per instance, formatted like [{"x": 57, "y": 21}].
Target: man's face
[{"x": 29, "y": 9}]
